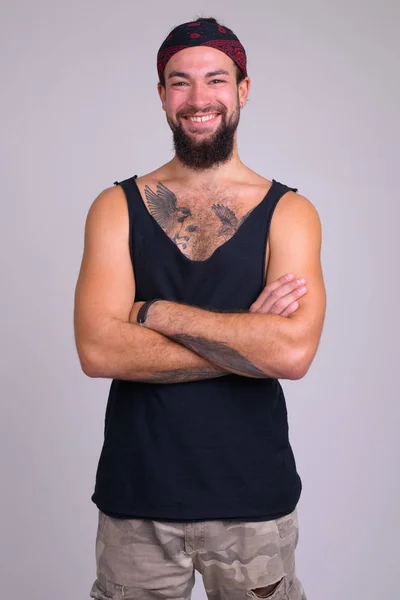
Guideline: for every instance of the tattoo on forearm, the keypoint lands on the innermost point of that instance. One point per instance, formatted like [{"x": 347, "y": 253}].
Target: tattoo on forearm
[
  {"x": 220, "y": 354},
  {"x": 184, "y": 375}
]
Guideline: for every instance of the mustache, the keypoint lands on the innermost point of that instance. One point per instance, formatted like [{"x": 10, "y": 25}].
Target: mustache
[{"x": 192, "y": 112}]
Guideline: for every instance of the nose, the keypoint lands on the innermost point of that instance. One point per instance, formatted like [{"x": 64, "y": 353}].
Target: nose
[{"x": 200, "y": 96}]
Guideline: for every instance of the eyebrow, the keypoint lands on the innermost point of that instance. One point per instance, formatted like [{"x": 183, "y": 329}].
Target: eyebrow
[{"x": 187, "y": 76}]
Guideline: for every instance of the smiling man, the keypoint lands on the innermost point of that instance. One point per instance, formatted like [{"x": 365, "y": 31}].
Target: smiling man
[{"x": 191, "y": 298}]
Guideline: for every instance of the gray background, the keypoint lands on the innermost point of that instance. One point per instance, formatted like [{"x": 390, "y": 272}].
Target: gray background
[{"x": 79, "y": 110}]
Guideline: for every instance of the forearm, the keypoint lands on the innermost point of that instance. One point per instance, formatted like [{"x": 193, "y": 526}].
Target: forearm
[
  {"x": 250, "y": 344},
  {"x": 124, "y": 350}
]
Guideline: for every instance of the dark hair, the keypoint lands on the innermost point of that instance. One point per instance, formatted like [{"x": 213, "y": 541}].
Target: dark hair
[{"x": 239, "y": 74}]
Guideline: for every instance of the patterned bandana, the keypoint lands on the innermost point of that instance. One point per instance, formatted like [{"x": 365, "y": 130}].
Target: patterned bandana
[{"x": 201, "y": 33}]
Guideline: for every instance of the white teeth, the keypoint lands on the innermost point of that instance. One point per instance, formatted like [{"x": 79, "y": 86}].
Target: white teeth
[{"x": 201, "y": 119}]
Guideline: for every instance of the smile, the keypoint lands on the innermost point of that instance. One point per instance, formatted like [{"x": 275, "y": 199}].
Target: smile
[{"x": 203, "y": 119}]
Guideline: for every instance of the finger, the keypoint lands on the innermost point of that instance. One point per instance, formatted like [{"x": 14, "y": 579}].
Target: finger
[
  {"x": 282, "y": 296},
  {"x": 270, "y": 288},
  {"x": 290, "y": 309},
  {"x": 275, "y": 290},
  {"x": 282, "y": 303}
]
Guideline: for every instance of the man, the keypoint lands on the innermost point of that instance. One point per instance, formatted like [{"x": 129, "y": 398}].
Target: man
[{"x": 188, "y": 300}]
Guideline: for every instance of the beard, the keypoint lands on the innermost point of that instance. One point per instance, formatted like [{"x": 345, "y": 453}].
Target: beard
[{"x": 211, "y": 152}]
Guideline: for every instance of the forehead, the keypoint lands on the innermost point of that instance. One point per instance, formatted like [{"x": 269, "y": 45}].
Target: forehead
[{"x": 199, "y": 60}]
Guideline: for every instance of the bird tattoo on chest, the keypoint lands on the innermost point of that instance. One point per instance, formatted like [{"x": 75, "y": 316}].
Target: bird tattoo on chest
[{"x": 163, "y": 206}]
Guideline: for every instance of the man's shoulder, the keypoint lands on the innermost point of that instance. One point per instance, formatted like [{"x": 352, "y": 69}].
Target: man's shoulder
[
  {"x": 256, "y": 179},
  {"x": 294, "y": 210},
  {"x": 109, "y": 203}
]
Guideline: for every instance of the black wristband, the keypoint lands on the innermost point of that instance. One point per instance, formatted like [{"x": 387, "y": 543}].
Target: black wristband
[{"x": 143, "y": 310}]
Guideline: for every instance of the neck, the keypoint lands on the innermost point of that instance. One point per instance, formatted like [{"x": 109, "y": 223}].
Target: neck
[{"x": 229, "y": 171}]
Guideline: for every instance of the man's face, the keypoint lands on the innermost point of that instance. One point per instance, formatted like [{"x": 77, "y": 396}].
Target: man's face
[{"x": 202, "y": 103}]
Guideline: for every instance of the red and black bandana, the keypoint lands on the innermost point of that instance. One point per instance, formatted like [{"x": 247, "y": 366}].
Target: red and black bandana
[{"x": 201, "y": 33}]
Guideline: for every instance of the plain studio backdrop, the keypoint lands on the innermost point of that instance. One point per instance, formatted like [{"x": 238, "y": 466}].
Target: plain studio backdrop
[{"x": 79, "y": 110}]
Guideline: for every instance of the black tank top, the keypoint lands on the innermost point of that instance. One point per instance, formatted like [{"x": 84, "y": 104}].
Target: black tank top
[{"x": 209, "y": 449}]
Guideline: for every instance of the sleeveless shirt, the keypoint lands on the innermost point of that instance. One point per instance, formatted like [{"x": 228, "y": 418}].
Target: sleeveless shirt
[{"x": 201, "y": 450}]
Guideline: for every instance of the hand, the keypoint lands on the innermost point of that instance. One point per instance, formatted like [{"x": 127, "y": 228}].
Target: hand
[{"x": 280, "y": 296}]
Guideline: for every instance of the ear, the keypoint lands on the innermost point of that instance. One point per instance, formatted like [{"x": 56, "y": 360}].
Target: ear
[
  {"x": 163, "y": 94},
  {"x": 244, "y": 90}
]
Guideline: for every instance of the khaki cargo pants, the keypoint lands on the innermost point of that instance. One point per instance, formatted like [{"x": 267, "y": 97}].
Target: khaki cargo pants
[{"x": 153, "y": 560}]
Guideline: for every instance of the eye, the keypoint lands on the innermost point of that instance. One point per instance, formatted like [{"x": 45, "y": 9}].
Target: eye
[
  {"x": 217, "y": 81},
  {"x": 178, "y": 83}
]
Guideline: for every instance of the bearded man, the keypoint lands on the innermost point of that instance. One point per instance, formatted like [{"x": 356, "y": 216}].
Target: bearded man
[{"x": 191, "y": 297}]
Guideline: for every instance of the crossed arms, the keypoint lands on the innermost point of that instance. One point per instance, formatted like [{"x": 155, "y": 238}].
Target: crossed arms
[{"x": 183, "y": 343}]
